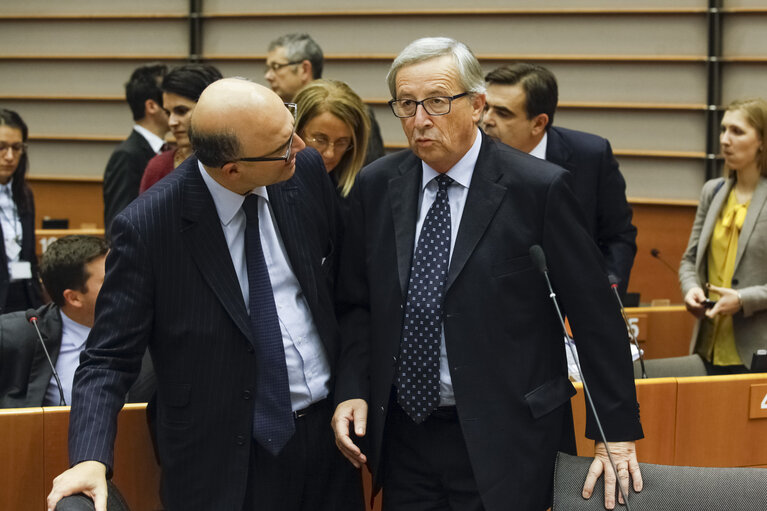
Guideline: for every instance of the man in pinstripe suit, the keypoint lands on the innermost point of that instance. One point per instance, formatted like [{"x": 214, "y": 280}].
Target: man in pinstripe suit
[{"x": 178, "y": 279}]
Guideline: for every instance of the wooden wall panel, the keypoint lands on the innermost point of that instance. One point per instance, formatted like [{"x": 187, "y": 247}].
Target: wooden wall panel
[
  {"x": 79, "y": 118},
  {"x": 667, "y": 228},
  {"x": 80, "y": 201},
  {"x": 672, "y": 34},
  {"x": 31, "y": 37},
  {"x": 94, "y": 6},
  {"x": 70, "y": 159},
  {"x": 662, "y": 178}
]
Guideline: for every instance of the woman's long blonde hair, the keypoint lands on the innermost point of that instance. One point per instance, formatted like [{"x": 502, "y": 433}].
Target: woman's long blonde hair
[{"x": 339, "y": 99}]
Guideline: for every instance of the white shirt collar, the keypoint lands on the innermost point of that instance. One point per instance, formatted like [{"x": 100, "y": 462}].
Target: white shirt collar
[
  {"x": 227, "y": 202},
  {"x": 462, "y": 171},
  {"x": 154, "y": 141},
  {"x": 539, "y": 151},
  {"x": 7, "y": 187},
  {"x": 78, "y": 331}
]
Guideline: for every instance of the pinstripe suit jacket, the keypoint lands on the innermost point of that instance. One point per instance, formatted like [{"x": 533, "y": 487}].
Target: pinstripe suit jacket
[{"x": 170, "y": 283}]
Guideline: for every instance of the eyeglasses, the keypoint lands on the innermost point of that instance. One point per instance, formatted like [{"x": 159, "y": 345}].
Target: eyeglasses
[
  {"x": 274, "y": 66},
  {"x": 321, "y": 143},
  {"x": 285, "y": 157},
  {"x": 437, "y": 105},
  {"x": 16, "y": 149}
]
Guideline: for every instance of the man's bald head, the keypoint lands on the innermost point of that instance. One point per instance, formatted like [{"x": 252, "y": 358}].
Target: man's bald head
[
  {"x": 230, "y": 113},
  {"x": 235, "y": 119}
]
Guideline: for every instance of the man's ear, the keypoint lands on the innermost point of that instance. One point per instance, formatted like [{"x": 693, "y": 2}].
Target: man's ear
[
  {"x": 151, "y": 107},
  {"x": 477, "y": 106},
  {"x": 72, "y": 298},
  {"x": 540, "y": 122},
  {"x": 306, "y": 70}
]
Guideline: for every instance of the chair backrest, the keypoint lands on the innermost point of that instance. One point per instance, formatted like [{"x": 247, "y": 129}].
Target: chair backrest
[
  {"x": 666, "y": 488},
  {"x": 691, "y": 365},
  {"x": 81, "y": 502}
]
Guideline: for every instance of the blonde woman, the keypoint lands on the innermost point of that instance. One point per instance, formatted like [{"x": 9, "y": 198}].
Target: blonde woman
[
  {"x": 332, "y": 119},
  {"x": 723, "y": 273}
]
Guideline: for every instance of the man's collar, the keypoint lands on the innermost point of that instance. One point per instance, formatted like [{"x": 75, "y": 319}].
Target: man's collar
[
  {"x": 539, "y": 151},
  {"x": 154, "y": 141},
  {"x": 462, "y": 171},
  {"x": 227, "y": 202}
]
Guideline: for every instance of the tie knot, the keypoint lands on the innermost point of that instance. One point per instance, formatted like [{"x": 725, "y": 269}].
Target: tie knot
[
  {"x": 443, "y": 181},
  {"x": 250, "y": 207}
]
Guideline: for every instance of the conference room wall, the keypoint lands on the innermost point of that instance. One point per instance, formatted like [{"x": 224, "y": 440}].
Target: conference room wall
[{"x": 634, "y": 73}]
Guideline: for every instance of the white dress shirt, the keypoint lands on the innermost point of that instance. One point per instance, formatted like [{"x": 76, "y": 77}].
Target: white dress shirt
[
  {"x": 461, "y": 173},
  {"x": 73, "y": 336},
  {"x": 11, "y": 224},
  {"x": 539, "y": 151},
  {"x": 154, "y": 141},
  {"x": 308, "y": 367}
]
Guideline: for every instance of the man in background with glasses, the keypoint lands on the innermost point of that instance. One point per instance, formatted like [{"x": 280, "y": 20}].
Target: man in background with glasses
[
  {"x": 453, "y": 367},
  {"x": 225, "y": 270},
  {"x": 293, "y": 61}
]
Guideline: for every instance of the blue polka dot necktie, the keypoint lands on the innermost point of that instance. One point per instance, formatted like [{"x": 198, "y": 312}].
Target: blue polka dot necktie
[
  {"x": 273, "y": 422},
  {"x": 418, "y": 369}
]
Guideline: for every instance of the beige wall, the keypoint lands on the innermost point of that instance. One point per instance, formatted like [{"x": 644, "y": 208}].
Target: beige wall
[{"x": 636, "y": 75}]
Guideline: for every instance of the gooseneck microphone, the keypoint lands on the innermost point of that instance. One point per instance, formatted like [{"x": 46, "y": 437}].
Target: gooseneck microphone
[
  {"x": 656, "y": 254},
  {"x": 31, "y": 315},
  {"x": 539, "y": 260},
  {"x": 614, "y": 281}
]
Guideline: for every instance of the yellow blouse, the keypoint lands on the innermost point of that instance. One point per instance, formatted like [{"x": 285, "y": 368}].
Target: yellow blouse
[{"x": 717, "y": 340}]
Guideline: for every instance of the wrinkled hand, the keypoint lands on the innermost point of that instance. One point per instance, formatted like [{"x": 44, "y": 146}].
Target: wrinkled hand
[
  {"x": 693, "y": 300},
  {"x": 624, "y": 454},
  {"x": 88, "y": 477},
  {"x": 727, "y": 304},
  {"x": 350, "y": 412}
]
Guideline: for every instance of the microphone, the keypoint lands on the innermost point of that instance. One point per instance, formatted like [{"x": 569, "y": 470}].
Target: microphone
[
  {"x": 614, "y": 281},
  {"x": 656, "y": 254},
  {"x": 31, "y": 316},
  {"x": 539, "y": 260}
]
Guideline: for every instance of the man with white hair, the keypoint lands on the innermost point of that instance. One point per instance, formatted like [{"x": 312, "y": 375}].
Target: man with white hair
[{"x": 452, "y": 363}]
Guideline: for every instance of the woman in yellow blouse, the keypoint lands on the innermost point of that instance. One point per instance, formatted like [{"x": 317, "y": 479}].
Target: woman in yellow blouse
[{"x": 723, "y": 273}]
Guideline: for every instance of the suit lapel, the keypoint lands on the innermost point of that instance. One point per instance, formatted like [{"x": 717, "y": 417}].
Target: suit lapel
[
  {"x": 707, "y": 230},
  {"x": 484, "y": 198},
  {"x": 205, "y": 241},
  {"x": 757, "y": 203},
  {"x": 557, "y": 150},
  {"x": 283, "y": 198},
  {"x": 403, "y": 195}
]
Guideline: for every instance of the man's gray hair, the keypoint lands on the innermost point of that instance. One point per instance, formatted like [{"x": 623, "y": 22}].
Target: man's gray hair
[
  {"x": 300, "y": 47},
  {"x": 215, "y": 149},
  {"x": 469, "y": 71}
]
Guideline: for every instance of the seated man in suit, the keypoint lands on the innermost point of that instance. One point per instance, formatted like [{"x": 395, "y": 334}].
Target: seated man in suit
[
  {"x": 293, "y": 61},
  {"x": 126, "y": 165},
  {"x": 521, "y": 101},
  {"x": 225, "y": 270},
  {"x": 72, "y": 270}
]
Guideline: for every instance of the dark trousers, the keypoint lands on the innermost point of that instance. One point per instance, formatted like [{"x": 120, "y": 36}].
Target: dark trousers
[
  {"x": 309, "y": 474},
  {"x": 426, "y": 466}
]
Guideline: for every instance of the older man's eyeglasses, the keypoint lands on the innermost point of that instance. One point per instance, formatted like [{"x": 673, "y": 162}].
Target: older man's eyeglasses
[
  {"x": 274, "y": 66},
  {"x": 285, "y": 157},
  {"x": 16, "y": 149},
  {"x": 436, "y": 105}
]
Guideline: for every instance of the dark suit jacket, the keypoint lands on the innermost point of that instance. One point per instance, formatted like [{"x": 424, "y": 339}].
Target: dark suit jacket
[
  {"x": 33, "y": 289},
  {"x": 170, "y": 283},
  {"x": 601, "y": 191},
  {"x": 504, "y": 342},
  {"x": 122, "y": 176},
  {"x": 24, "y": 369}
]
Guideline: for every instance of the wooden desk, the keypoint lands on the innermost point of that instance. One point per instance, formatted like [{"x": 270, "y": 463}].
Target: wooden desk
[
  {"x": 662, "y": 331},
  {"x": 22, "y": 481},
  {"x": 136, "y": 472}
]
